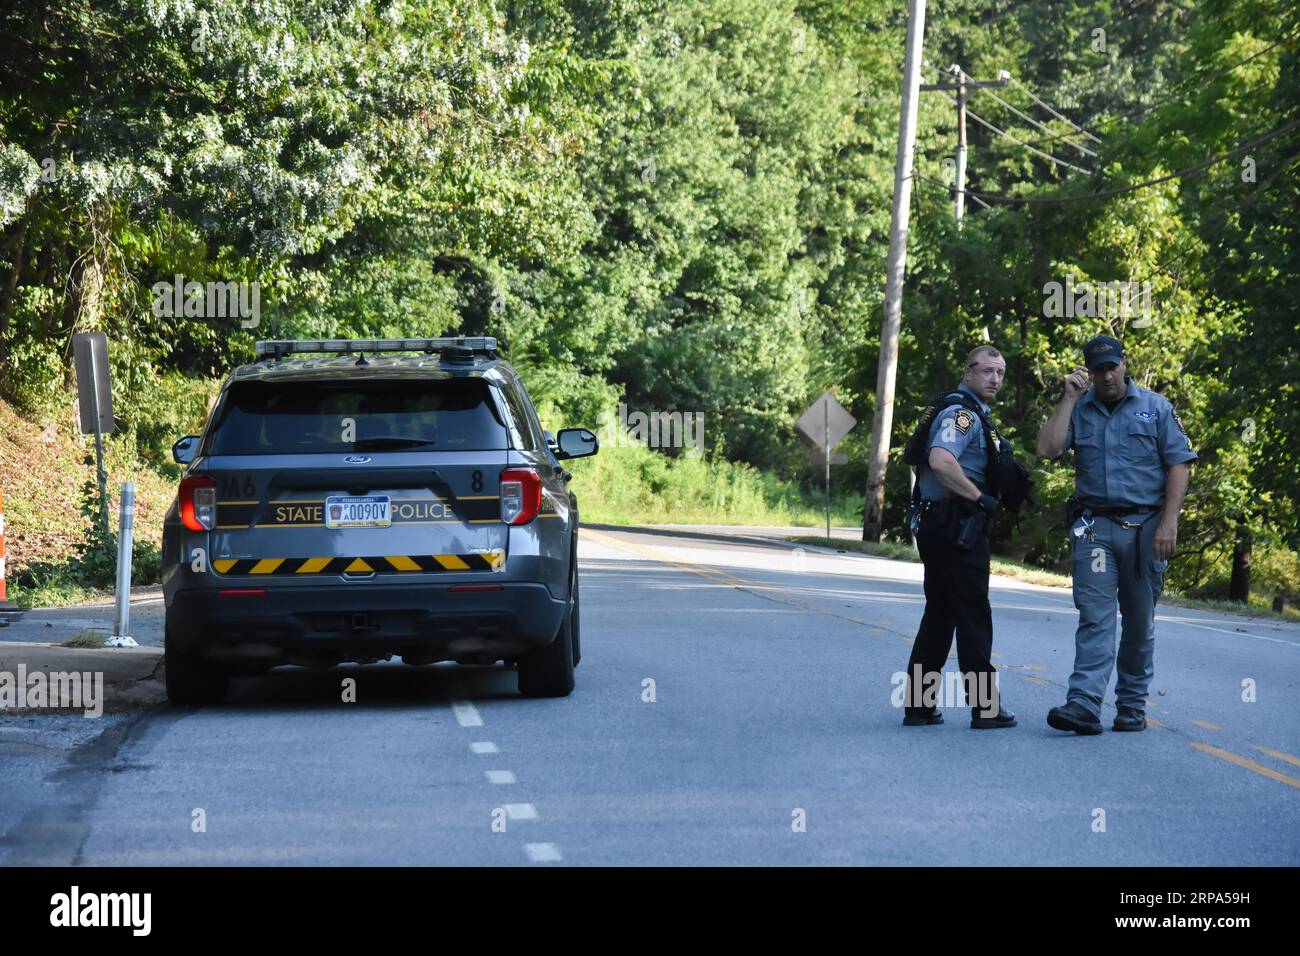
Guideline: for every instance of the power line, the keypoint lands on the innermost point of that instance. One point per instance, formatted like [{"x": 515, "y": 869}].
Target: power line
[
  {"x": 1048, "y": 156},
  {"x": 1083, "y": 149},
  {"x": 1120, "y": 190},
  {"x": 1030, "y": 93}
]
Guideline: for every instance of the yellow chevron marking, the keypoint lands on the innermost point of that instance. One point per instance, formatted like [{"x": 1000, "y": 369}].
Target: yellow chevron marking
[
  {"x": 451, "y": 562},
  {"x": 496, "y": 559},
  {"x": 222, "y": 565},
  {"x": 401, "y": 562},
  {"x": 358, "y": 566},
  {"x": 313, "y": 566},
  {"x": 266, "y": 565}
]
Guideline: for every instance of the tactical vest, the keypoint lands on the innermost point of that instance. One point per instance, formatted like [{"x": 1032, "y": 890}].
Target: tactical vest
[
  {"x": 1004, "y": 477},
  {"x": 917, "y": 454}
]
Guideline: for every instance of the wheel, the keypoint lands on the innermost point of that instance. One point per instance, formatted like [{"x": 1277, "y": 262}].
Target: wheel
[
  {"x": 577, "y": 628},
  {"x": 548, "y": 671},
  {"x": 191, "y": 680}
]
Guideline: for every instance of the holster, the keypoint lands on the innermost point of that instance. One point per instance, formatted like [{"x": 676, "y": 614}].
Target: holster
[
  {"x": 955, "y": 519},
  {"x": 1073, "y": 510},
  {"x": 970, "y": 528}
]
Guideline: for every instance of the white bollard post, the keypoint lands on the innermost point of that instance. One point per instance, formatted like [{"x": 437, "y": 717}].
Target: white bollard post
[{"x": 125, "y": 534}]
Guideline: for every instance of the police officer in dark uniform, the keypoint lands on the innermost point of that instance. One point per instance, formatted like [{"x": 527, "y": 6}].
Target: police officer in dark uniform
[
  {"x": 1131, "y": 459},
  {"x": 950, "y": 520}
]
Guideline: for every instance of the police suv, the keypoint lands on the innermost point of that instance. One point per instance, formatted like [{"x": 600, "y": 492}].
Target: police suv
[{"x": 352, "y": 500}]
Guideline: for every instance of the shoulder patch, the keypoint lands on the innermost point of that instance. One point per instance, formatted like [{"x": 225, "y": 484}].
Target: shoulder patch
[
  {"x": 1173, "y": 413},
  {"x": 963, "y": 421}
]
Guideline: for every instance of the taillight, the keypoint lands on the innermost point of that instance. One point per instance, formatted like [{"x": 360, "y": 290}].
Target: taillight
[
  {"x": 521, "y": 495},
  {"x": 198, "y": 497}
]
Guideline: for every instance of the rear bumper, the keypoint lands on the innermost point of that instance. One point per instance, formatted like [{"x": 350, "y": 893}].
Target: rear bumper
[{"x": 421, "y": 623}]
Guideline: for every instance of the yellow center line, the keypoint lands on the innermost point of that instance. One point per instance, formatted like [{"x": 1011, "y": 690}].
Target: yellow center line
[
  {"x": 731, "y": 580},
  {"x": 1278, "y": 754},
  {"x": 654, "y": 554},
  {"x": 1249, "y": 764},
  {"x": 1206, "y": 724}
]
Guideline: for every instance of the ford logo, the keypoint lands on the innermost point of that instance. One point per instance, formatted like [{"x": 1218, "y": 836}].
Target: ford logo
[{"x": 357, "y": 459}]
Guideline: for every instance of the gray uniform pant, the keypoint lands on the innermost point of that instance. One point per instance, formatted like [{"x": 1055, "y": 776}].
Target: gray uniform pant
[{"x": 1104, "y": 571}]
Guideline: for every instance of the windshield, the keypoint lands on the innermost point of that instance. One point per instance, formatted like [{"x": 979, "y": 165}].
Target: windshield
[{"x": 308, "y": 417}]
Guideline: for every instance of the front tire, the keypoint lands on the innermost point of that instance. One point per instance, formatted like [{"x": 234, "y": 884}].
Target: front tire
[
  {"x": 191, "y": 681},
  {"x": 548, "y": 671}
]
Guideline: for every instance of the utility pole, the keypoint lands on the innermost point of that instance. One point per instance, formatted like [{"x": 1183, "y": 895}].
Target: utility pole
[
  {"x": 962, "y": 88},
  {"x": 882, "y": 420},
  {"x": 887, "y": 367}
]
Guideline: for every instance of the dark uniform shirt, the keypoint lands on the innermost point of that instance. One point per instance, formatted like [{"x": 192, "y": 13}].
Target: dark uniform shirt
[
  {"x": 958, "y": 430},
  {"x": 1121, "y": 456}
]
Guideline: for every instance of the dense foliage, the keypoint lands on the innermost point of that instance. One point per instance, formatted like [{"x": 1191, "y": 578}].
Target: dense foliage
[{"x": 680, "y": 204}]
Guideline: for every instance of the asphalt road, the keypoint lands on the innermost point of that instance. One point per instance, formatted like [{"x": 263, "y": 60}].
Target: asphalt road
[{"x": 733, "y": 707}]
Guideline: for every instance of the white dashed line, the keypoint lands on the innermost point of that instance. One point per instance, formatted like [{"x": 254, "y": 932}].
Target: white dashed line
[
  {"x": 543, "y": 852},
  {"x": 466, "y": 714}
]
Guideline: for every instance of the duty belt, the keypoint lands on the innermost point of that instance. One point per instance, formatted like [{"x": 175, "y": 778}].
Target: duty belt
[{"x": 1114, "y": 513}]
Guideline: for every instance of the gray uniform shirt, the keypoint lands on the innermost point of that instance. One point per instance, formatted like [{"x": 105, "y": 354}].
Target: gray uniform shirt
[
  {"x": 1121, "y": 456},
  {"x": 957, "y": 429}
]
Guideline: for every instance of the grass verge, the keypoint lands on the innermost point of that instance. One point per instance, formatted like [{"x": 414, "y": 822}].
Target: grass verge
[{"x": 634, "y": 485}]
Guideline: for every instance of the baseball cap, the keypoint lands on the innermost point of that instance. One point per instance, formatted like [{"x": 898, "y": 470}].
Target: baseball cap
[{"x": 1101, "y": 351}]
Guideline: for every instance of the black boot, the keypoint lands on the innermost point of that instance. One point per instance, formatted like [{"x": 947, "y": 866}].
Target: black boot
[{"x": 920, "y": 717}]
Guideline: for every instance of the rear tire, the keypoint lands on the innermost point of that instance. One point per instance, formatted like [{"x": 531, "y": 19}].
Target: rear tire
[
  {"x": 191, "y": 681},
  {"x": 548, "y": 671},
  {"x": 577, "y": 625}
]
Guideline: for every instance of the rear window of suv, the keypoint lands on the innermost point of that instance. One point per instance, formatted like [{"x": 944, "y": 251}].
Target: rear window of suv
[{"x": 395, "y": 415}]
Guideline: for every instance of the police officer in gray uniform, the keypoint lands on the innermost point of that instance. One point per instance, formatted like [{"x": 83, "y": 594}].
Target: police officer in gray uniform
[
  {"x": 954, "y": 491},
  {"x": 1132, "y": 458}
]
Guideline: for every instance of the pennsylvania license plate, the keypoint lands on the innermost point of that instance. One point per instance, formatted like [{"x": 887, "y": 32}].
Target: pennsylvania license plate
[{"x": 364, "y": 511}]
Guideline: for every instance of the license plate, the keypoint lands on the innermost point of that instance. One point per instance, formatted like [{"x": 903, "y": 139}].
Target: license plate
[{"x": 364, "y": 511}]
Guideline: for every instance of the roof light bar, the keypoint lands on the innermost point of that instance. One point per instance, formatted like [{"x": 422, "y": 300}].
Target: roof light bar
[{"x": 279, "y": 348}]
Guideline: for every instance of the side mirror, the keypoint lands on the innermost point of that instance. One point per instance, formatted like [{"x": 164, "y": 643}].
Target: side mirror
[
  {"x": 576, "y": 443},
  {"x": 551, "y": 443},
  {"x": 184, "y": 449}
]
